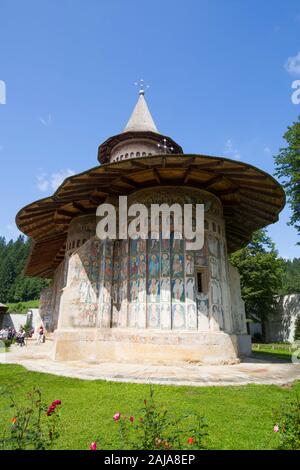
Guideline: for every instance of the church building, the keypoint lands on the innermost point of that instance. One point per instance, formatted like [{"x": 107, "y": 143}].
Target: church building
[{"x": 148, "y": 300}]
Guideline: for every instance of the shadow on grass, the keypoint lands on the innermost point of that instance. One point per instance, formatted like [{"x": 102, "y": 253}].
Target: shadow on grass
[{"x": 271, "y": 357}]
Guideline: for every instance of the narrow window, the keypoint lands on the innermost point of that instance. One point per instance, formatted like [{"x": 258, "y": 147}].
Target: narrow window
[{"x": 200, "y": 282}]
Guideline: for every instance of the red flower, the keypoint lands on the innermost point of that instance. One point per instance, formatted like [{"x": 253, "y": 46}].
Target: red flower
[
  {"x": 51, "y": 410},
  {"x": 56, "y": 402},
  {"x": 191, "y": 440},
  {"x": 131, "y": 419}
]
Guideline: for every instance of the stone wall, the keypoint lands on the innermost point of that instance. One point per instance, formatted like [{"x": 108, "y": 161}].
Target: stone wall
[
  {"x": 281, "y": 327},
  {"x": 16, "y": 320}
]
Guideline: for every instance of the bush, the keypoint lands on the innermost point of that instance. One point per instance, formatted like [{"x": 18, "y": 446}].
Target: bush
[
  {"x": 157, "y": 429},
  {"x": 22, "y": 307},
  {"x": 34, "y": 426},
  {"x": 288, "y": 425}
]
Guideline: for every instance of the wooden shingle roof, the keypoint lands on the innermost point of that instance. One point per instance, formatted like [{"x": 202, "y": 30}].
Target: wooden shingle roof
[{"x": 251, "y": 199}]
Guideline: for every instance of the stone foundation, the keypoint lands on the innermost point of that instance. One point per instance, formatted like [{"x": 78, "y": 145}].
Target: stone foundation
[{"x": 149, "y": 347}]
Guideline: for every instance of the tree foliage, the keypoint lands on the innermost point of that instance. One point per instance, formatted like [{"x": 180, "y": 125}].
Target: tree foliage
[
  {"x": 261, "y": 275},
  {"x": 288, "y": 170},
  {"x": 14, "y": 287},
  {"x": 291, "y": 277}
]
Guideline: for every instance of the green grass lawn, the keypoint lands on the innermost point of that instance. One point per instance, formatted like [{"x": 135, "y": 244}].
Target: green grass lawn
[
  {"x": 238, "y": 417},
  {"x": 22, "y": 307},
  {"x": 277, "y": 351}
]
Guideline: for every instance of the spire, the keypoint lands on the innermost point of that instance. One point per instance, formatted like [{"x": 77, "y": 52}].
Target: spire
[{"x": 141, "y": 119}]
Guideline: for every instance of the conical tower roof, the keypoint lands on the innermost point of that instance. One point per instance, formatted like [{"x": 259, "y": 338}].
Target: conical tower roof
[
  {"x": 140, "y": 127},
  {"x": 141, "y": 119}
]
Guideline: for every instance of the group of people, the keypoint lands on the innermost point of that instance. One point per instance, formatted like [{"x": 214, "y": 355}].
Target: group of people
[{"x": 9, "y": 334}]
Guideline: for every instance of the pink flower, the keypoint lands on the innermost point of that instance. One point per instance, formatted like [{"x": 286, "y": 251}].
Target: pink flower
[
  {"x": 276, "y": 428},
  {"x": 117, "y": 416},
  {"x": 93, "y": 446},
  {"x": 131, "y": 419}
]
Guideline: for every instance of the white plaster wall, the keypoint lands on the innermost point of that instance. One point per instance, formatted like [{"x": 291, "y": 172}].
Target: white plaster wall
[{"x": 134, "y": 149}]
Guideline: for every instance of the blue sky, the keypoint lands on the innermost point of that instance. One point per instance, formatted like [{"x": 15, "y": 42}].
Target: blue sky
[{"x": 220, "y": 85}]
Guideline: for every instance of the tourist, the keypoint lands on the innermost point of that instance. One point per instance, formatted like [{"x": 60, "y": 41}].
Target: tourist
[
  {"x": 21, "y": 337},
  {"x": 41, "y": 335}
]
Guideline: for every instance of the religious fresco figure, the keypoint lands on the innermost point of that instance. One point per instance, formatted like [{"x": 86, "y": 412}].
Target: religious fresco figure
[
  {"x": 216, "y": 292},
  {"x": 141, "y": 246},
  {"x": 165, "y": 316},
  {"x": 189, "y": 265},
  {"x": 214, "y": 268},
  {"x": 134, "y": 291},
  {"x": 124, "y": 268},
  {"x": 123, "y": 291},
  {"x": 142, "y": 265},
  {"x": 153, "y": 316},
  {"x": 134, "y": 265},
  {"x": 132, "y": 315},
  {"x": 178, "y": 290},
  {"x": 192, "y": 316},
  {"x": 165, "y": 264},
  {"x": 153, "y": 290},
  {"x": 117, "y": 268},
  {"x": 94, "y": 271},
  {"x": 165, "y": 290},
  {"x": 108, "y": 267},
  {"x": 117, "y": 249},
  {"x": 86, "y": 292},
  {"x": 115, "y": 293},
  {"x": 213, "y": 246},
  {"x": 217, "y": 317},
  {"x": 106, "y": 292},
  {"x": 177, "y": 265},
  {"x": 178, "y": 320},
  {"x": 142, "y": 290},
  {"x": 75, "y": 267},
  {"x": 190, "y": 288},
  {"x": 153, "y": 266}
]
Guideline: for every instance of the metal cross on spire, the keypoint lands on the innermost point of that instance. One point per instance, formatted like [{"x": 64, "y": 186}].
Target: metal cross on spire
[
  {"x": 164, "y": 147},
  {"x": 141, "y": 84}
]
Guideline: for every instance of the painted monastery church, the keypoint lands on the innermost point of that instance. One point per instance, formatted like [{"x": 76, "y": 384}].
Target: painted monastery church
[{"x": 150, "y": 301}]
